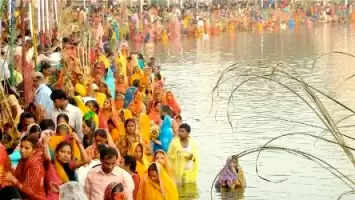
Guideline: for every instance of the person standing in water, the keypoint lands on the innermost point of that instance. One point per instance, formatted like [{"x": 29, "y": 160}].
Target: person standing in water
[{"x": 184, "y": 155}]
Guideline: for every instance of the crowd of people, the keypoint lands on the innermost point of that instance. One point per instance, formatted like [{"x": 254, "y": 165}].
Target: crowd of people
[{"x": 82, "y": 110}]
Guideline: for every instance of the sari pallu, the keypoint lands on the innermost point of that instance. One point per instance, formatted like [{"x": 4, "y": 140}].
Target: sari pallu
[
  {"x": 30, "y": 173},
  {"x": 112, "y": 195},
  {"x": 55, "y": 140},
  {"x": 129, "y": 95},
  {"x": 142, "y": 164},
  {"x": 177, "y": 157},
  {"x": 105, "y": 115},
  {"x": 164, "y": 190},
  {"x": 172, "y": 103}
]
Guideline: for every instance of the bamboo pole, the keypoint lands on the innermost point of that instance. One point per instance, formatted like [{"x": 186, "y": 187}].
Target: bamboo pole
[
  {"x": 47, "y": 14},
  {"x": 39, "y": 15}
]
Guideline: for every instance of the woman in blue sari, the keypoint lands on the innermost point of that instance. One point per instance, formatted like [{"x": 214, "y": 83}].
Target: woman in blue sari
[
  {"x": 166, "y": 132},
  {"x": 130, "y": 92}
]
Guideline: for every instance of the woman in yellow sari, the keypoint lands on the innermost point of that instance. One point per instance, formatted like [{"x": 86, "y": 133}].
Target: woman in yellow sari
[
  {"x": 162, "y": 158},
  {"x": 64, "y": 133},
  {"x": 137, "y": 151},
  {"x": 157, "y": 185}
]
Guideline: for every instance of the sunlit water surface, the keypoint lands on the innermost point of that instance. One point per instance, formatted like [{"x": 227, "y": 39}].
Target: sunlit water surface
[{"x": 192, "y": 68}]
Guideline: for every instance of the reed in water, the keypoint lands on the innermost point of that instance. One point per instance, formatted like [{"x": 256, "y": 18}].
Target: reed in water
[{"x": 286, "y": 77}]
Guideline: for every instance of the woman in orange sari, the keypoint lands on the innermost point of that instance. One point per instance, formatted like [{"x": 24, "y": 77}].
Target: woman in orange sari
[
  {"x": 170, "y": 101},
  {"x": 107, "y": 112},
  {"x": 157, "y": 185},
  {"x": 137, "y": 106},
  {"x": 121, "y": 85},
  {"x": 154, "y": 114},
  {"x": 30, "y": 172}
]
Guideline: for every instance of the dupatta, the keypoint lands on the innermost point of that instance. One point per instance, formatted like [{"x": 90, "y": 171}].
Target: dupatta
[
  {"x": 142, "y": 164},
  {"x": 165, "y": 190}
]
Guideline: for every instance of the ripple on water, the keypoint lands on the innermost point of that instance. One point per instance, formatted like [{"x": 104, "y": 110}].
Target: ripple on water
[{"x": 258, "y": 111}]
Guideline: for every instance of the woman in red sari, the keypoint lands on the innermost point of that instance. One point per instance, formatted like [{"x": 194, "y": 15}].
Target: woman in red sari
[{"x": 30, "y": 172}]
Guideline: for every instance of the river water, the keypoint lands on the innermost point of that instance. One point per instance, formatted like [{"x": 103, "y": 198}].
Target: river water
[{"x": 259, "y": 110}]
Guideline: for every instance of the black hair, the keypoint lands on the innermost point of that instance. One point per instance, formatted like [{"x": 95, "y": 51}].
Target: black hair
[
  {"x": 158, "y": 76},
  {"x": 30, "y": 138},
  {"x": 111, "y": 122},
  {"x": 140, "y": 56},
  {"x": 34, "y": 129},
  {"x": 108, "y": 153},
  {"x": 47, "y": 124},
  {"x": 101, "y": 132},
  {"x": 153, "y": 167},
  {"x": 58, "y": 94},
  {"x": 64, "y": 116},
  {"x": 61, "y": 145},
  {"x": 129, "y": 120},
  {"x": 186, "y": 127},
  {"x": 72, "y": 101},
  {"x": 118, "y": 188},
  {"x": 166, "y": 109},
  {"x": 23, "y": 116},
  {"x": 131, "y": 162},
  {"x": 178, "y": 117},
  {"x": 95, "y": 104},
  {"x": 90, "y": 123},
  {"x": 44, "y": 65},
  {"x": 136, "y": 83}
]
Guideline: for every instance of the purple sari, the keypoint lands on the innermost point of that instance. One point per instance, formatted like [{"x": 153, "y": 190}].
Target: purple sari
[{"x": 228, "y": 176}]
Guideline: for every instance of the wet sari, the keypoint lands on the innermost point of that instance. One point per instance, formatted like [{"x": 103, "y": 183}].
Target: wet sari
[
  {"x": 186, "y": 170},
  {"x": 164, "y": 190},
  {"x": 231, "y": 178}
]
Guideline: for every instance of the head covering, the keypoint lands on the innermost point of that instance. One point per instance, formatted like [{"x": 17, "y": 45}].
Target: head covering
[
  {"x": 227, "y": 176},
  {"x": 71, "y": 191},
  {"x": 129, "y": 96},
  {"x": 109, "y": 192},
  {"x": 165, "y": 189}
]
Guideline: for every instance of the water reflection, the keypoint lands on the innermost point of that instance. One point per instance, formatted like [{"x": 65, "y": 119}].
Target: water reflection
[
  {"x": 237, "y": 194},
  {"x": 189, "y": 191}
]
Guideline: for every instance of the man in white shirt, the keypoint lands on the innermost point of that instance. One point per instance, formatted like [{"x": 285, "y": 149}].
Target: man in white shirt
[
  {"x": 62, "y": 105},
  {"x": 108, "y": 172}
]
